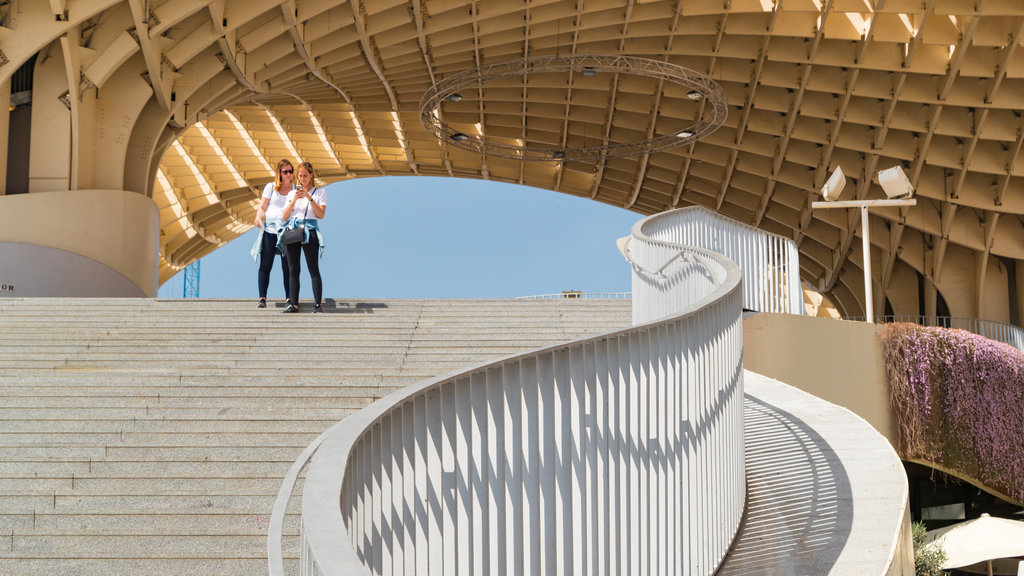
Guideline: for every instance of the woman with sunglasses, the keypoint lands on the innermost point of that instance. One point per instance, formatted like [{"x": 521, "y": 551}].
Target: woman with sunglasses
[
  {"x": 306, "y": 206},
  {"x": 270, "y": 220}
]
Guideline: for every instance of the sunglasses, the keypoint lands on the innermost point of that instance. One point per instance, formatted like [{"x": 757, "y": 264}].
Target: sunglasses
[{"x": 286, "y": 171}]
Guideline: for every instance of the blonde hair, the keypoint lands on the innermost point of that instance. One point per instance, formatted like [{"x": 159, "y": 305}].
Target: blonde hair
[{"x": 277, "y": 175}]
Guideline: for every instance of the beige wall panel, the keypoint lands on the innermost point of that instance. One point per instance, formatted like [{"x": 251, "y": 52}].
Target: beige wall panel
[
  {"x": 902, "y": 291},
  {"x": 117, "y": 229},
  {"x": 5, "y": 120},
  {"x": 50, "y": 143},
  {"x": 88, "y": 165},
  {"x": 958, "y": 282},
  {"x": 1020, "y": 294},
  {"x": 836, "y": 360},
  {"x": 995, "y": 292},
  {"x": 118, "y": 106},
  {"x": 30, "y": 270}
]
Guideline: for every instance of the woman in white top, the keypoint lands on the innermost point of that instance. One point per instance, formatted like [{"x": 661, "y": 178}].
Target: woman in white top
[
  {"x": 306, "y": 205},
  {"x": 275, "y": 198}
]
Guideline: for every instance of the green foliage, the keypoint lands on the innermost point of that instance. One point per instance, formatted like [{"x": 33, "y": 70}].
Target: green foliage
[{"x": 927, "y": 559}]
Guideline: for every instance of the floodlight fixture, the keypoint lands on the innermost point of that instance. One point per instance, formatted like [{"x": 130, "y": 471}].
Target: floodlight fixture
[
  {"x": 558, "y": 155},
  {"x": 459, "y": 137},
  {"x": 456, "y": 97},
  {"x": 895, "y": 183},
  {"x": 694, "y": 95},
  {"x": 587, "y": 71},
  {"x": 834, "y": 185},
  {"x": 897, "y": 187},
  {"x": 685, "y": 134}
]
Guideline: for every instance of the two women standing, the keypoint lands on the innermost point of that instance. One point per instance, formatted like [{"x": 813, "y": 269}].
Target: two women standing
[{"x": 286, "y": 205}]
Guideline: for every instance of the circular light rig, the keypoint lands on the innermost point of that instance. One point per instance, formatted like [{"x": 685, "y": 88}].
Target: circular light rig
[{"x": 696, "y": 86}]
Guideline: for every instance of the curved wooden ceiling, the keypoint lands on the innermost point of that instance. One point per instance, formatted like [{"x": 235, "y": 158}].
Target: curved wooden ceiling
[{"x": 932, "y": 85}]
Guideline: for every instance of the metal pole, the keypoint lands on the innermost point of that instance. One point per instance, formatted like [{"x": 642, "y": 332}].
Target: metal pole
[
  {"x": 866, "y": 243},
  {"x": 865, "y": 237}
]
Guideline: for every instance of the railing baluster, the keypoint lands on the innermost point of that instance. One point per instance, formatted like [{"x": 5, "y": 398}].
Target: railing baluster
[
  {"x": 531, "y": 466},
  {"x": 480, "y": 497},
  {"x": 513, "y": 542},
  {"x": 422, "y": 542},
  {"x": 435, "y": 481},
  {"x": 464, "y": 476},
  {"x": 494, "y": 467},
  {"x": 450, "y": 478}
]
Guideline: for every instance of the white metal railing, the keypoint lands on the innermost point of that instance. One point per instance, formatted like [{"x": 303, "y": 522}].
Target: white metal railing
[
  {"x": 998, "y": 331},
  {"x": 620, "y": 453},
  {"x": 770, "y": 263}
]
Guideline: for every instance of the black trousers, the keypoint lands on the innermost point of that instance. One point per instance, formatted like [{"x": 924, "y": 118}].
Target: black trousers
[
  {"x": 268, "y": 254},
  {"x": 311, "y": 251}
]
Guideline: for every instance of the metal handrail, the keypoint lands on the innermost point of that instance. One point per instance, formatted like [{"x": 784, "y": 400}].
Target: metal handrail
[
  {"x": 991, "y": 329},
  {"x": 770, "y": 263},
  {"x": 710, "y": 400}
]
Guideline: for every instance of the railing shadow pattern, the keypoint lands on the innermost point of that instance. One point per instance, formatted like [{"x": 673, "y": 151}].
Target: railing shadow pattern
[
  {"x": 796, "y": 522},
  {"x": 620, "y": 453}
]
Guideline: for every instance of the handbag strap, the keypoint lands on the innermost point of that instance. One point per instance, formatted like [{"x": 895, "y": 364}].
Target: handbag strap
[{"x": 307, "y": 207}]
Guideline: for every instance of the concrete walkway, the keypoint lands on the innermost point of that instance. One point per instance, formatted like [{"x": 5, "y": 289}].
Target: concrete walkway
[{"x": 826, "y": 494}]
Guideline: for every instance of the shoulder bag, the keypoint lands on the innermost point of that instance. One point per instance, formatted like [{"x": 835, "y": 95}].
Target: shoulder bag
[{"x": 298, "y": 232}]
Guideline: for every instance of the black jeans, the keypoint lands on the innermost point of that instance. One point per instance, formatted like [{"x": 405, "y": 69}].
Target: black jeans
[
  {"x": 268, "y": 254},
  {"x": 311, "y": 251}
]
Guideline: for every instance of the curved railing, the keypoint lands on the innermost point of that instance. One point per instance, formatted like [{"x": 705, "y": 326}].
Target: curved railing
[
  {"x": 770, "y": 263},
  {"x": 998, "y": 331},
  {"x": 620, "y": 453}
]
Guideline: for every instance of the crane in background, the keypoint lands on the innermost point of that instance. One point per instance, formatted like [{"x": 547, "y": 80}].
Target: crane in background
[{"x": 191, "y": 280}]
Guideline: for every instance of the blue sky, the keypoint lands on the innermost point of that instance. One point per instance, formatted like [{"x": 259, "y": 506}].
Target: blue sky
[{"x": 418, "y": 237}]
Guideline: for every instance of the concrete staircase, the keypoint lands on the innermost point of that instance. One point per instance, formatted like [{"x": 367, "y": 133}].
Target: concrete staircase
[{"x": 150, "y": 437}]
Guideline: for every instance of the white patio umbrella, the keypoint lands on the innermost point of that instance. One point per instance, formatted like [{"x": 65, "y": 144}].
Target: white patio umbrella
[{"x": 981, "y": 540}]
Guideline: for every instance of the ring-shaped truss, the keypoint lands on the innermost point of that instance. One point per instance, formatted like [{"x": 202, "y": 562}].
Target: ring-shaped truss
[{"x": 711, "y": 118}]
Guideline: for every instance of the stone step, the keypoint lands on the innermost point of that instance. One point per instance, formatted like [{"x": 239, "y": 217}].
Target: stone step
[
  {"x": 110, "y": 439},
  {"x": 150, "y": 437},
  {"x": 47, "y": 523},
  {"x": 231, "y": 566},
  {"x": 137, "y": 546},
  {"x": 136, "y": 503},
  {"x": 263, "y": 426},
  {"x": 120, "y": 454}
]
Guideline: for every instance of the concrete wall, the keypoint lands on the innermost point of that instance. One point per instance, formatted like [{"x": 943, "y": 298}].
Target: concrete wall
[
  {"x": 836, "y": 360},
  {"x": 31, "y": 270},
  {"x": 79, "y": 243}
]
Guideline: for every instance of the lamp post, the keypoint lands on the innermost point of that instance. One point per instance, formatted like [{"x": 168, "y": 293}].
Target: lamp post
[{"x": 899, "y": 191}]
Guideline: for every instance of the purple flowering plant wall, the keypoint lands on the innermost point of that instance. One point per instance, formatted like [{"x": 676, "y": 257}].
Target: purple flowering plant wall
[{"x": 958, "y": 401}]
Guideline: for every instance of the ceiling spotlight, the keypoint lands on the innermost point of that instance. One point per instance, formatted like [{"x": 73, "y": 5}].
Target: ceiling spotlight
[
  {"x": 684, "y": 134},
  {"x": 587, "y": 71},
  {"x": 459, "y": 137},
  {"x": 456, "y": 97},
  {"x": 694, "y": 95}
]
